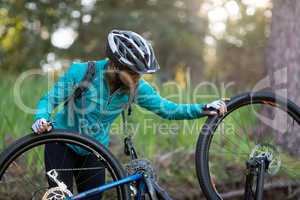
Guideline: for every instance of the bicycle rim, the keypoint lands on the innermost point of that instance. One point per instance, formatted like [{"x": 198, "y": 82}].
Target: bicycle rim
[
  {"x": 23, "y": 174},
  {"x": 227, "y": 142}
]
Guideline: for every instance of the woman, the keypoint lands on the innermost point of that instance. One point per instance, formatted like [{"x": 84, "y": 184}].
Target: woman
[{"x": 117, "y": 83}]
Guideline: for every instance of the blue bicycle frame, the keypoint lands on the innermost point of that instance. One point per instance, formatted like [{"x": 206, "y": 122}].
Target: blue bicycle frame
[
  {"x": 136, "y": 177},
  {"x": 145, "y": 185}
]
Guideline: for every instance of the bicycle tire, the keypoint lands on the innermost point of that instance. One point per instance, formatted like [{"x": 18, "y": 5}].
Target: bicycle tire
[
  {"x": 211, "y": 124},
  {"x": 29, "y": 141}
]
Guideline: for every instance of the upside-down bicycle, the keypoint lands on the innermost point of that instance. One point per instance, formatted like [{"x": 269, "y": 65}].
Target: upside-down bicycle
[{"x": 250, "y": 144}]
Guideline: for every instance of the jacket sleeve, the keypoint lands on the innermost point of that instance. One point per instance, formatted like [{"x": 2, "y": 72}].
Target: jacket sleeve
[
  {"x": 149, "y": 99},
  {"x": 59, "y": 93}
]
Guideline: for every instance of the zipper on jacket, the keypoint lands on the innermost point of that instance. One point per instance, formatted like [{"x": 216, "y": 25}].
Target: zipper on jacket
[{"x": 111, "y": 96}]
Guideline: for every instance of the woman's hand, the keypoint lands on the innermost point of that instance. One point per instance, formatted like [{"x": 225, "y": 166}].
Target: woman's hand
[
  {"x": 217, "y": 107},
  {"x": 41, "y": 126}
]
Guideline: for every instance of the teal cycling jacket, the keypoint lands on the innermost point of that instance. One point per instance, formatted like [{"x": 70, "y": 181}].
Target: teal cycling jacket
[{"x": 94, "y": 112}]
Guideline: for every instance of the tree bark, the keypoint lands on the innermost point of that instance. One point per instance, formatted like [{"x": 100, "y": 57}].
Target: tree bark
[{"x": 283, "y": 61}]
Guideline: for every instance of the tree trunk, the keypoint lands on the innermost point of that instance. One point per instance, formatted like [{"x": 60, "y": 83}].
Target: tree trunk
[{"x": 283, "y": 61}]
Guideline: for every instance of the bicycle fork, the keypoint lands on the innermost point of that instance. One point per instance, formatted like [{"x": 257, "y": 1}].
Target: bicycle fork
[{"x": 256, "y": 167}]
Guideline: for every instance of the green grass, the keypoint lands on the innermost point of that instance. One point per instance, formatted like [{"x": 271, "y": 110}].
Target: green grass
[
  {"x": 14, "y": 122},
  {"x": 154, "y": 140}
]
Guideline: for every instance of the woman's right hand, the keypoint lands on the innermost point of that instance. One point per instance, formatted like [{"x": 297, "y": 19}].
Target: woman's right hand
[{"x": 41, "y": 126}]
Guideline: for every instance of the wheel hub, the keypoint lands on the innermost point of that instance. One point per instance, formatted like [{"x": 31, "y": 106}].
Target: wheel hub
[{"x": 271, "y": 154}]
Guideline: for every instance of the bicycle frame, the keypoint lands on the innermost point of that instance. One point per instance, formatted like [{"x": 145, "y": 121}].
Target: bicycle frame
[
  {"x": 143, "y": 182},
  {"x": 130, "y": 179},
  {"x": 256, "y": 168}
]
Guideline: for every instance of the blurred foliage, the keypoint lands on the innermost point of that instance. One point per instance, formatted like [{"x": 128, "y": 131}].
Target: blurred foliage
[
  {"x": 181, "y": 32},
  {"x": 26, "y": 27},
  {"x": 240, "y": 52}
]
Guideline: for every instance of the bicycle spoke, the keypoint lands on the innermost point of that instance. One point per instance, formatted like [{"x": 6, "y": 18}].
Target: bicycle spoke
[
  {"x": 80, "y": 171},
  {"x": 89, "y": 178},
  {"x": 243, "y": 135},
  {"x": 27, "y": 174},
  {"x": 41, "y": 161},
  {"x": 245, "y": 131},
  {"x": 234, "y": 144},
  {"x": 226, "y": 151},
  {"x": 219, "y": 147},
  {"x": 291, "y": 171},
  {"x": 25, "y": 178}
]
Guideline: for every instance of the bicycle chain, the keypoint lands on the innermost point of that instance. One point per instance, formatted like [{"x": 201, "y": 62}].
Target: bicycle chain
[{"x": 78, "y": 169}]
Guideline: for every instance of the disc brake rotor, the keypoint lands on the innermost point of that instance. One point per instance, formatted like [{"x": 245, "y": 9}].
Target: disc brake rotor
[
  {"x": 272, "y": 155},
  {"x": 56, "y": 193}
]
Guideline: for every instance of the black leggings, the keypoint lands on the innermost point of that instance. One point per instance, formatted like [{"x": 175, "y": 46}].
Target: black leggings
[{"x": 60, "y": 156}]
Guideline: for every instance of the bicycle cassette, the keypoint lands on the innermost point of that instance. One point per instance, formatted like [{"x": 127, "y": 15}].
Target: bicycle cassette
[
  {"x": 56, "y": 193},
  {"x": 141, "y": 166}
]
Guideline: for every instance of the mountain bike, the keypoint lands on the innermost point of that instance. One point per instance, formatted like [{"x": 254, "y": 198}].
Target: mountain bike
[
  {"x": 242, "y": 146},
  {"x": 253, "y": 144},
  {"x": 23, "y": 175}
]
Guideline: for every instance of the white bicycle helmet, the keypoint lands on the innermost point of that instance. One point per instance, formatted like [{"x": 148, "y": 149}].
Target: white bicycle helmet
[{"x": 127, "y": 48}]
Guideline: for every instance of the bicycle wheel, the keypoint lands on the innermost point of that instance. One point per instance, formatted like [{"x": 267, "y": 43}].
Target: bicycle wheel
[
  {"x": 255, "y": 123},
  {"x": 23, "y": 174}
]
